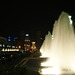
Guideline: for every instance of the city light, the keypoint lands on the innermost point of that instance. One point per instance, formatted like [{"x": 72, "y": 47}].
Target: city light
[
  {"x": 9, "y": 38},
  {"x": 26, "y": 34},
  {"x": 19, "y": 47},
  {"x": 4, "y": 50}
]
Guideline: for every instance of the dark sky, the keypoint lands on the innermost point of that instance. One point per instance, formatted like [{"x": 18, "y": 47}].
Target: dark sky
[{"x": 31, "y": 18}]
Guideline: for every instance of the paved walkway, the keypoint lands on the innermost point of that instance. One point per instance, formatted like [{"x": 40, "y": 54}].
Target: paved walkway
[{"x": 25, "y": 60}]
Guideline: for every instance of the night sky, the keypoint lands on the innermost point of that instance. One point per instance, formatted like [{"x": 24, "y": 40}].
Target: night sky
[{"x": 31, "y": 18}]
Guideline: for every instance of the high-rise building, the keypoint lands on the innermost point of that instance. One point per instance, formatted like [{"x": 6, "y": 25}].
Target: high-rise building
[{"x": 27, "y": 42}]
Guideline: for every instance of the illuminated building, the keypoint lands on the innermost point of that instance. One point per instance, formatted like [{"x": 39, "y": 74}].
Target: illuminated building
[
  {"x": 12, "y": 42},
  {"x": 33, "y": 47},
  {"x": 27, "y": 42}
]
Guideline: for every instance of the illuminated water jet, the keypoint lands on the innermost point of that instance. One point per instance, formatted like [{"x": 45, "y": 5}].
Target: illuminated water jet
[
  {"x": 60, "y": 47},
  {"x": 46, "y": 45}
]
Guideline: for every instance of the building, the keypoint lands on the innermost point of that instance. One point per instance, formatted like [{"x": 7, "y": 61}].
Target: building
[
  {"x": 27, "y": 42},
  {"x": 33, "y": 47},
  {"x": 3, "y": 42},
  {"x": 12, "y": 42}
]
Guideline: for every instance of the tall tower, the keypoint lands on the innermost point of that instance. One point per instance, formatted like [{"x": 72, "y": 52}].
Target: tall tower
[{"x": 27, "y": 42}]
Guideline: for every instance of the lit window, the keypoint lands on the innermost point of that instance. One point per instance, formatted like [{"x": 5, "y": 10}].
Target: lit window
[
  {"x": 8, "y": 46},
  {"x": 13, "y": 46},
  {"x": 3, "y": 45},
  {"x": 0, "y": 45}
]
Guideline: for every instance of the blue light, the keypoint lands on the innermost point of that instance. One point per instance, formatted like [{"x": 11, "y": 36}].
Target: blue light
[
  {"x": 14, "y": 39},
  {"x": 27, "y": 34},
  {"x": 9, "y": 39}
]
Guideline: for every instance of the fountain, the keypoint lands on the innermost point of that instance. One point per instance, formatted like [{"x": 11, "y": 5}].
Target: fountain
[
  {"x": 60, "y": 48},
  {"x": 46, "y": 45}
]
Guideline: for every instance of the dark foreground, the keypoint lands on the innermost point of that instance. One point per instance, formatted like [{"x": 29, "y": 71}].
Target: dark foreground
[
  {"x": 8, "y": 62},
  {"x": 31, "y": 67}
]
